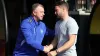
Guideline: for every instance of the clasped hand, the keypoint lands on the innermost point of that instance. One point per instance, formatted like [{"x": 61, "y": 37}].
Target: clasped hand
[{"x": 47, "y": 50}]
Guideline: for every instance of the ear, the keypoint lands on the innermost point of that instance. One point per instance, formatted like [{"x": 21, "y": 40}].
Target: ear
[
  {"x": 63, "y": 9},
  {"x": 34, "y": 13}
]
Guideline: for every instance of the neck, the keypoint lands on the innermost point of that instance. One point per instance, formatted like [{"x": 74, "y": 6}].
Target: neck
[
  {"x": 35, "y": 18},
  {"x": 65, "y": 16}
]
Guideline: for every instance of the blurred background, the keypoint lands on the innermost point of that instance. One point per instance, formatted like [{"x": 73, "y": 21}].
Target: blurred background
[{"x": 85, "y": 12}]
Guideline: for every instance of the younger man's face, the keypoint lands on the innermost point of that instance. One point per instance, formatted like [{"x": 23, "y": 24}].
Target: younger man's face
[{"x": 58, "y": 11}]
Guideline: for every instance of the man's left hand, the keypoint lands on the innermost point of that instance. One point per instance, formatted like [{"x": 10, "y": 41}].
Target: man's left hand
[{"x": 52, "y": 53}]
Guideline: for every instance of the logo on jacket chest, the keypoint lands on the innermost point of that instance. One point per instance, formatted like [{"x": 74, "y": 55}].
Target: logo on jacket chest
[
  {"x": 41, "y": 31},
  {"x": 38, "y": 30}
]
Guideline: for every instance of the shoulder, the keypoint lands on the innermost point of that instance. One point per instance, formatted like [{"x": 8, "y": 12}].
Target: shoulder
[
  {"x": 26, "y": 21},
  {"x": 42, "y": 24},
  {"x": 58, "y": 22},
  {"x": 72, "y": 22}
]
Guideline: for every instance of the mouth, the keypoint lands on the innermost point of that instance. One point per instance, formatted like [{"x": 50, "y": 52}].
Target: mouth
[{"x": 42, "y": 16}]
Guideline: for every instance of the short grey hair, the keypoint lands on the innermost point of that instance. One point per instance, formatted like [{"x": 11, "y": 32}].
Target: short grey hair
[{"x": 34, "y": 6}]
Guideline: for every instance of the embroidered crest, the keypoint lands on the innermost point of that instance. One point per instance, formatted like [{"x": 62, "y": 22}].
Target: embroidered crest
[{"x": 41, "y": 31}]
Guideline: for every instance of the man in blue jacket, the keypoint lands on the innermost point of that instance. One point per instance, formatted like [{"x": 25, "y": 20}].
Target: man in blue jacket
[{"x": 31, "y": 34}]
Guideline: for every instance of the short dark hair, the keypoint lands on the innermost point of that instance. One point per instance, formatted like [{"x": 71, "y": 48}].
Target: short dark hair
[
  {"x": 62, "y": 3},
  {"x": 34, "y": 6}
]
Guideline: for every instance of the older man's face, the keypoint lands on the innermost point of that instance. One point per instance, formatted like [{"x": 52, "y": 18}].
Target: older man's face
[{"x": 39, "y": 13}]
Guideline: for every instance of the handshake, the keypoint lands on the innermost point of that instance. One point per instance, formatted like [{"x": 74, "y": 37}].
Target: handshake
[{"x": 47, "y": 49}]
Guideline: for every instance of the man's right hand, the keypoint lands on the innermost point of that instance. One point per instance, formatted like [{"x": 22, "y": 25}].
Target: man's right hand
[{"x": 46, "y": 49}]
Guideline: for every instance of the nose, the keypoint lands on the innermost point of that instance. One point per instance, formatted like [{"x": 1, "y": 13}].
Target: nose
[{"x": 43, "y": 13}]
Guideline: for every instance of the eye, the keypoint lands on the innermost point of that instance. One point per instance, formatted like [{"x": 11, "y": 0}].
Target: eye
[{"x": 41, "y": 11}]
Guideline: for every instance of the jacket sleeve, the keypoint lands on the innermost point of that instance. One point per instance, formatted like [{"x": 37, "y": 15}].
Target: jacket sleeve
[{"x": 30, "y": 36}]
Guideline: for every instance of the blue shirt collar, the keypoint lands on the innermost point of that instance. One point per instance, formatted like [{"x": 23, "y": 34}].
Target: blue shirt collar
[{"x": 33, "y": 20}]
